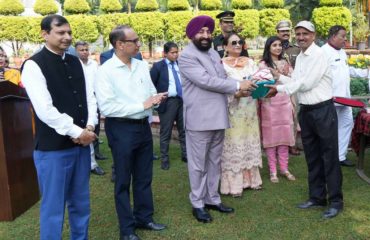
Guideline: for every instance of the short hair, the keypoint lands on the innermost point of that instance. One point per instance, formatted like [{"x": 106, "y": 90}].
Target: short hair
[
  {"x": 48, "y": 20},
  {"x": 118, "y": 34},
  {"x": 168, "y": 45},
  {"x": 334, "y": 30},
  {"x": 81, "y": 43}
]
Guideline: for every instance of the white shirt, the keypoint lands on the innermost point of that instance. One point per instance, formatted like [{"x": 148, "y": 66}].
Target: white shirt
[
  {"x": 311, "y": 78},
  {"x": 340, "y": 70},
  {"x": 121, "y": 91},
  {"x": 172, "y": 83},
  {"x": 36, "y": 87}
]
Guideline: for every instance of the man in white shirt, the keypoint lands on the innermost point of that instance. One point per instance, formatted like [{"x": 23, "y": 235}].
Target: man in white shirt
[
  {"x": 126, "y": 96},
  {"x": 90, "y": 69},
  {"x": 65, "y": 109},
  {"x": 312, "y": 81},
  {"x": 341, "y": 88}
]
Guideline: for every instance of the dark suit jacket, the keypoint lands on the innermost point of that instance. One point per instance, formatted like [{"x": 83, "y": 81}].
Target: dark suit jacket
[
  {"x": 160, "y": 78},
  {"x": 108, "y": 54}
]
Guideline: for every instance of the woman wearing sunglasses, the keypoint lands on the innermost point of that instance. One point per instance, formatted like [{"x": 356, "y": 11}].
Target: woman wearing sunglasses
[
  {"x": 241, "y": 157},
  {"x": 277, "y": 114}
]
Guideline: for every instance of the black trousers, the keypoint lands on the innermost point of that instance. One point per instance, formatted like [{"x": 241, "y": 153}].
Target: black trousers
[
  {"x": 174, "y": 112},
  {"x": 319, "y": 133},
  {"x": 132, "y": 150}
]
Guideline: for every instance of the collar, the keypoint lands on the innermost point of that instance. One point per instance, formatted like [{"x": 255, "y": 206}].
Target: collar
[
  {"x": 331, "y": 45},
  {"x": 310, "y": 49},
  {"x": 89, "y": 62},
  {"x": 116, "y": 62},
  {"x": 63, "y": 56}
]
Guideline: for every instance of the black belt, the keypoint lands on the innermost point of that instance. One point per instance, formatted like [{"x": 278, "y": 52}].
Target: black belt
[
  {"x": 315, "y": 106},
  {"x": 175, "y": 97},
  {"x": 130, "y": 120}
]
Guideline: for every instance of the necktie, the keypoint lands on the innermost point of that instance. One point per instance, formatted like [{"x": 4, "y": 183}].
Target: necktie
[{"x": 177, "y": 80}]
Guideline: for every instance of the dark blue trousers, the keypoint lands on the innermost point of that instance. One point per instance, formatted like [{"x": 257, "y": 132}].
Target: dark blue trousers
[{"x": 132, "y": 150}]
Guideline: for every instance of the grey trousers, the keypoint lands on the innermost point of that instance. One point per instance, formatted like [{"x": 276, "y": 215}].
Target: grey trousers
[{"x": 204, "y": 149}]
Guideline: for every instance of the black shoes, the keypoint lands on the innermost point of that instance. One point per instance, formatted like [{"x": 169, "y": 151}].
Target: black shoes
[
  {"x": 155, "y": 157},
  {"x": 184, "y": 159},
  {"x": 220, "y": 207},
  {"x": 130, "y": 237},
  {"x": 331, "y": 212},
  {"x": 98, "y": 171},
  {"x": 99, "y": 156},
  {"x": 165, "y": 165},
  {"x": 151, "y": 226},
  {"x": 347, "y": 163},
  {"x": 311, "y": 204},
  {"x": 202, "y": 215}
]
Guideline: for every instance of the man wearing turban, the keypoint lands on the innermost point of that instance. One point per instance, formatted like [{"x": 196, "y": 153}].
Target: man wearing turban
[{"x": 205, "y": 89}]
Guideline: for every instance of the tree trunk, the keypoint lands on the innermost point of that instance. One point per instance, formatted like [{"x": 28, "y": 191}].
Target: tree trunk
[
  {"x": 150, "y": 48},
  {"x": 128, "y": 6}
]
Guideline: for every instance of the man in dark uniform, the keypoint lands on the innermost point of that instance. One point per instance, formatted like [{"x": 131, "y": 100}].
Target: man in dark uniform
[
  {"x": 227, "y": 27},
  {"x": 283, "y": 29}
]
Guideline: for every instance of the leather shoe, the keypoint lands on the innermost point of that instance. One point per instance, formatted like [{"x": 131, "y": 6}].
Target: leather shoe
[
  {"x": 98, "y": 171},
  {"x": 220, "y": 207},
  {"x": 202, "y": 215},
  {"x": 184, "y": 159},
  {"x": 130, "y": 237},
  {"x": 99, "y": 156},
  {"x": 311, "y": 204},
  {"x": 151, "y": 226},
  {"x": 165, "y": 165},
  {"x": 347, "y": 163},
  {"x": 331, "y": 212},
  {"x": 155, "y": 157}
]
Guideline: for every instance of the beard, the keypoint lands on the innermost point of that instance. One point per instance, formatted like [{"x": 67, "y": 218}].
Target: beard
[{"x": 202, "y": 47}]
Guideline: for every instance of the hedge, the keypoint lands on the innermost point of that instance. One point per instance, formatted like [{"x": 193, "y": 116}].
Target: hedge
[
  {"x": 210, "y": 4},
  {"x": 84, "y": 27},
  {"x": 241, "y": 4},
  {"x": 45, "y": 7},
  {"x": 331, "y": 3},
  {"x": 178, "y": 5},
  {"x": 11, "y": 7},
  {"x": 146, "y": 5},
  {"x": 269, "y": 18},
  {"x": 175, "y": 25},
  {"x": 326, "y": 17},
  {"x": 107, "y": 22},
  {"x": 247, "y": 23},
  {"x": 212, "y": 14},
  {"x": 76, "y": 6},
  {"x": 272, "y": 3},
  {"x": 148, "y": 25},
  {"x": 110, "y": 6},
  {"x": 34, "y": 32},
  {"x": 14, "y": 28}
]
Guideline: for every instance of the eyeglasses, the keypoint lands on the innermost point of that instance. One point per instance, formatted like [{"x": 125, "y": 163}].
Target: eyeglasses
[
  {"x": 240, "y": 42},
  {"x": 135, "y": 41}
]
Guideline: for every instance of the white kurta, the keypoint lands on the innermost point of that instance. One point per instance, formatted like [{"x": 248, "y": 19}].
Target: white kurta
[{"x": 341, "y": 88}]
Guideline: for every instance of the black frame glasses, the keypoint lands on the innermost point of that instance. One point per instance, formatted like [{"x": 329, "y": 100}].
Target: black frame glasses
[
  {"x": 240, "y": 42},
  {"x": 135, "y": 41}
]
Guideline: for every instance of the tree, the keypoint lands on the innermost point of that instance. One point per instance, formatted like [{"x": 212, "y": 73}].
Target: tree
[
  {"x": 45, "y": 7},
  {"x": 14, "y": 29},
  {"x": 76, "y": 6},
  {"x": 175, "y": 25},
  {"x": 269, "y": 17},
  {"x": 11, "y": 7},
  {"x": 272, "y": 3},
  {"x": 241, "y": 4},
  {"x": 84, "y": 27},
  {"x": 211, "y": 4},
  {"x": 107, "y": 22},
  {"x": 34, "y": 33},
  {"x": 110, "y": 6},
  {"x": 177, "y": 5},
  {"x": 146, "y": 5},
  {"x": 301, "y": 9}
]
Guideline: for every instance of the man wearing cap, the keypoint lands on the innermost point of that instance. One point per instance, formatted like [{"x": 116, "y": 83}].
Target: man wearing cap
[
  {"x": 205, "y": 88},
  {"x": 291, "y": 51},
  {"x": 227, "y": 27},
  {"x": 312, "y": 81}
]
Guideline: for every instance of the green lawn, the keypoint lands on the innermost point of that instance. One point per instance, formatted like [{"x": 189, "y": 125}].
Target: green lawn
[{"x": 267, "y": 214}]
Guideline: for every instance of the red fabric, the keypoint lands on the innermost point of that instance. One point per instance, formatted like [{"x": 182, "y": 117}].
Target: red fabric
[
  {"x": 362, "y": 126},
  {"x": 349, "y": 102}
]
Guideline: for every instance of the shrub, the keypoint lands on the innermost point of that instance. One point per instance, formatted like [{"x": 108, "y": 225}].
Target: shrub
[
  {"x": 146, "y": 5},
  {"x": 326, "y": 17},
  {"x": 34, "y": 32},
  {"x": 76, "y": 6},
  {"x": 269, "y": 18},
  {"x": 359, "y": 86},
  {"x": 272, "y": 3},
  {"x": 331, "y": 3},
  {"x": 45, "y": 7},
  {"x": 11, "y": 7},
  {"x": 247, "y": 23},
  {"x": 241, "y": 4},
  {"x": 14, "y": 29},
  {"x": 178, "y": 5},
  {"x": 210, "y": 4},
  {"x": 175, "y": 25},
  {"x": 83, "y": 27},
  {"x": 110, "y": 6},
  {"x": 107, "y": 22}
]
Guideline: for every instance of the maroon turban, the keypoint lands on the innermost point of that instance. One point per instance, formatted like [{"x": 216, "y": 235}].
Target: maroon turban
[{"x": 198, "y": 23}]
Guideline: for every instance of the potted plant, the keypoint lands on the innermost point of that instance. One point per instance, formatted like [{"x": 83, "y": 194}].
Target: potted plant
[{"x": 360, "y": 31}]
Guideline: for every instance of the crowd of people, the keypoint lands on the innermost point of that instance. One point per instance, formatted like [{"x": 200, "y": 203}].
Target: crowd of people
[{"x": 207, "y": 91}]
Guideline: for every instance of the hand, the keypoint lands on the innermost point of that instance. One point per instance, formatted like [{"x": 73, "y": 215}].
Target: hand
[
  {"x": 155, "y": 100},
  {"x": 90, "y": 128},
  {"x": 275, "y": 73},
  {"x": 272, "y": 92},
  {"x": 85, "y": 138},
  {"x": 247, "y": 85}
]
